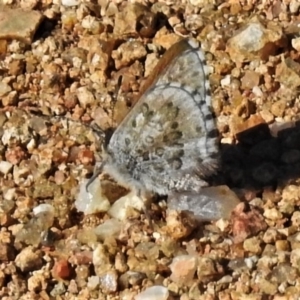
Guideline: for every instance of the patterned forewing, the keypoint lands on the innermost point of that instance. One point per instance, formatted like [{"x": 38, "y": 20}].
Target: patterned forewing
[
  {"x": 170, "y": 132},
  {"x": 188, "y": 69}
]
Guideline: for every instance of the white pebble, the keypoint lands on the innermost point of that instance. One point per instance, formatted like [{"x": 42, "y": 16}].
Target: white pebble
[
  {"x": 31, "y": 145},
  {"x": 70, "y": 2},
  {"x": 212, "y": 203},
  {"x": 155, "y": 292},
  {"x": 272, "y": 214},
  {"x": 257, "y": 91},
  {"x": 9, "y": 194},
  {"x": 110, "y": 228},
  {"x": 93, "y": 200},
  {"x": 5, "y": 167},
  {"x": 226, "y": 81},
  {"x": 278, "y": 126},
  {"x": 43, "y": 208},
  {"x": 85, "y": 97},
  {"x": 93, "y": 282},
  {"x": 251, "y": 261},
  {"x": 119, "y": 209},
  {"x": 183, "y": 268},
  {"x": 4, "y": 89}
]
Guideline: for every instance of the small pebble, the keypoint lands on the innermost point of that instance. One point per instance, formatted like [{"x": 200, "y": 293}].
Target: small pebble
[{"x": 154, "y": 293}]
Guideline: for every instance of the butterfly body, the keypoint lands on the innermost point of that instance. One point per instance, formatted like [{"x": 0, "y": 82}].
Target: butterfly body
[{"x": 168, "y": 142}]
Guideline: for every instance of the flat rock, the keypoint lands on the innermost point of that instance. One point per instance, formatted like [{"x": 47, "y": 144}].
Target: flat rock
[
  {"x": 212, "y": 203},
  {"x": 19, "y": 24},
  {"x": 254, "y": 40},
  {"x": 287, "y": 73}
]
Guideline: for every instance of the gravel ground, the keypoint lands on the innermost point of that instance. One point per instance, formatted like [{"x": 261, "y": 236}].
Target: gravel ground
[{"x": 60, "y": 65}]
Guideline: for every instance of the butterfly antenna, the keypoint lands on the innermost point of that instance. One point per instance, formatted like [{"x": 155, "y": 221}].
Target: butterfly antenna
[
  {"x": 96, "y": 173},
  {"x": 107, "y": 134}
]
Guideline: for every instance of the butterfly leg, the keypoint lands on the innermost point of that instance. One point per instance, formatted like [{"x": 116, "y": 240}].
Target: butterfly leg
[{"x": 145, "y": 200}]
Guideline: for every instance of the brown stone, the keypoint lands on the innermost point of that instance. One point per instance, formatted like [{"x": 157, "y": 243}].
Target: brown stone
[
  {"x": 61, "y": 269},
  {"x": 7, "y": 252},
  {"x": 254, "y": 40},
  {"x": 135, "y": 19},
  {"x": 250, "y": 131},
  {"x": 19, "y": 24},
  {"x": 288, "y": 73}
]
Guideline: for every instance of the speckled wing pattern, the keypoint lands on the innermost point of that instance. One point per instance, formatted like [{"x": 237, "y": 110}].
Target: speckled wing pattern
[{"x": 168, "y": 141}]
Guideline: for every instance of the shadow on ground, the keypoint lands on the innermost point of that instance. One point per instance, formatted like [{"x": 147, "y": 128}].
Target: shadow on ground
[{"x": 260, "y": 160}]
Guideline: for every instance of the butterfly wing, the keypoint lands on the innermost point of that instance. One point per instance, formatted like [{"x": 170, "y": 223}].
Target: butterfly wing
[{"x": 168, "y": 141}]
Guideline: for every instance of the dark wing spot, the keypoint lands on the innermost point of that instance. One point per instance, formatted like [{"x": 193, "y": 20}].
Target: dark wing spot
[
  {"x": 146, "y": 156},
  {"x": 178, "y": 153},
  {"x": 173, "y": 113},
  {"x": 145, "y": 108},
  {"x": 139, "y": 152},
  {"x": 195, "y": 92},
  {"x": 174, "y": 125},
  {"x": 172, "y": 137},
  {"x": 198, "y": 129},
  {"x": 213, "y": 134},
  {"x": 159, "y": 127},
  {"x": 209, "y": 117},
  {"x": 149, "y": 114},
  {"x": 127, "y": 141},
  {"x": 159, "y": 151},
  {"x": 175, "y": 163},
  {"x": 194, "y": 74},
  {"x": 170, "y": 110},
  {"x": 149, "y": 139},
  {"x": 158, "y": 168},
  {"x": 200, "y": 160},
  {"x": 179, "y": 145}
]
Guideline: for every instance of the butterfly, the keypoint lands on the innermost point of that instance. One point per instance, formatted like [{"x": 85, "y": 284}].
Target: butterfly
[{"x": 168, "y": 142}]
